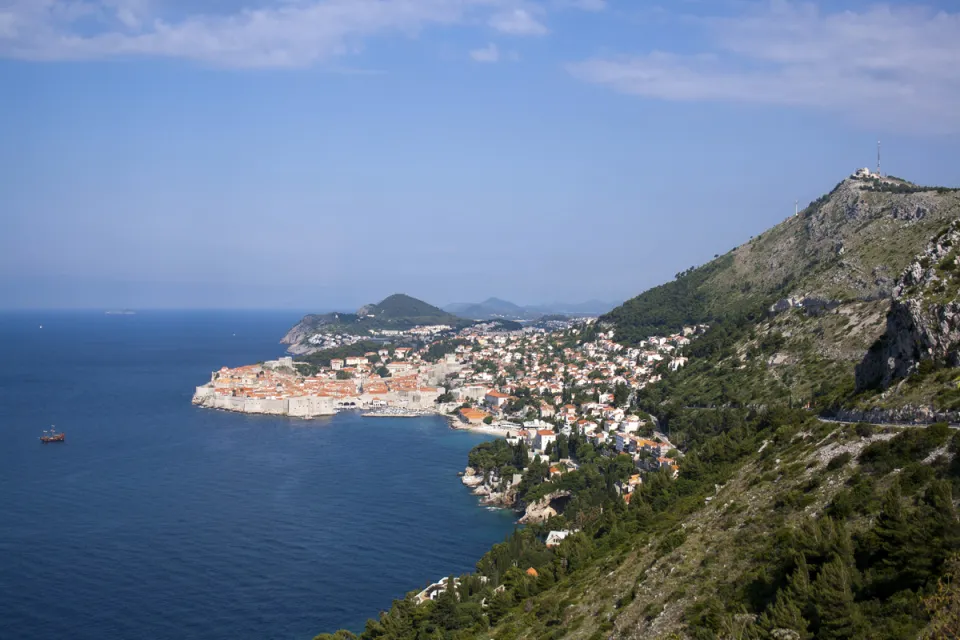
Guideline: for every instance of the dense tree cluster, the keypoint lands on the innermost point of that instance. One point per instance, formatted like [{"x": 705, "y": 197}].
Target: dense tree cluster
[{"x": 666, "y": 308}]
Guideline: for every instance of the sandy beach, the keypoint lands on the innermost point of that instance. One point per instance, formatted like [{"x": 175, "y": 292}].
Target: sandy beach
[{"x": 492, "y": 430}]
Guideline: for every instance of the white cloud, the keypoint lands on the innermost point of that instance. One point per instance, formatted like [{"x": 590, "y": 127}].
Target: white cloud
[
  {"x": 130, "y": 13},
  {"x": 517, "y": 22},
  {"x": 489, "y": 53},
  {"x": 274, "y": 33},
  {"x": 887, "y": 66}
]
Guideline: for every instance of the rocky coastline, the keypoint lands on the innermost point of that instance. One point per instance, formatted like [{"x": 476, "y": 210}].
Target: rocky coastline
[
  {"x": 502, "y": 493},
  {"x": 488, "y": 488}
]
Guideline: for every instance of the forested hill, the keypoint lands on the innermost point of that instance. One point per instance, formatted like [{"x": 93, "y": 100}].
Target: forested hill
[
  {"x": 401, "y": 309},
  {"x": 847, "y": 245},
  {"x": 396, "y": 312}
]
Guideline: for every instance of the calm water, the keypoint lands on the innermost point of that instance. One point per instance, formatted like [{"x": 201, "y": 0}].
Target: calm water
[{"x": 159, "y": 520}]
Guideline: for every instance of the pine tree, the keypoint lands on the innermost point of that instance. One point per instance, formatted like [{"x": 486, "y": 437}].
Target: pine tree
[
  {"x": 837, "y": 615},
  {"x": 799, "y": 584},
  {"x": 520, "y": 457},
  {"x": 791, "y": 609},
  {"x": 933, "y": 536},
  {"x": 499, "y": 605},
  {"x": 444, "y": 612},
  {"x": 785, "y": 614}
]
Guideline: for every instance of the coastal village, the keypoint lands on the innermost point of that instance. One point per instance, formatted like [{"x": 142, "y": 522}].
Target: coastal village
[
  {"x": 531, "y": 386},
  {"x": 536, "y": 388}
]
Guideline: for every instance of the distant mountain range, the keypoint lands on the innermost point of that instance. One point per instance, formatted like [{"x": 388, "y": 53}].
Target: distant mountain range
[
  {"x": 401, "y": 312},
  {"x": 493, "y": 308}
]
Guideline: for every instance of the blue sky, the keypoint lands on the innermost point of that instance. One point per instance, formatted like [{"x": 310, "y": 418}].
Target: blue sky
[{"x": 326, "y": 153}]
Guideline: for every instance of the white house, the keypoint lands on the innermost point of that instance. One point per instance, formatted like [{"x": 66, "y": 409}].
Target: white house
[
  {"x": 556, "y": 537},
  {"x": 495, "y": 399},
  {"x": 398, "y": 367},
  {"x": 544, "y": 438}
]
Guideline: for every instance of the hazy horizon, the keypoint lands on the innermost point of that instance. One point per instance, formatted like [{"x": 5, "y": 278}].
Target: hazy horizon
[
  {"x": 323, "y": 154},
  {"x": 307, "y": 309}
]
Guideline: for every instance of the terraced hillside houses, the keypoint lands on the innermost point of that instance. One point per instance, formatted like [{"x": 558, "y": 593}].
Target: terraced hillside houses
[{"x": 537, "y": 386}]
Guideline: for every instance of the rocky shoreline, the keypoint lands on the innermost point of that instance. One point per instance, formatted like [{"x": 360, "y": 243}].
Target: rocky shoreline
[
  {"x": 488, "y": 491},
  {"x": 399, "y": 412},
  {"x": 503, "y": 495}
]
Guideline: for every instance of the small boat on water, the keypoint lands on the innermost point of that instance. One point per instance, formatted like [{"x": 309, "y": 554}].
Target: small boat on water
[{"x": 53, "y": 436}]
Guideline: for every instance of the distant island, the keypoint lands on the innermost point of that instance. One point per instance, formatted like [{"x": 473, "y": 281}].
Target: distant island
[{"x": 120, "y": 312}]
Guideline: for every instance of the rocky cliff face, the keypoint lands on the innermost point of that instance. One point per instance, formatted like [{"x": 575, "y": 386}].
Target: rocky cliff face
[
  {"x": 298, "y": 335},
  {"x": 305, "y": 328},
  {"x": 545, "y": 508},
  {"x": 923, "y": 323}
]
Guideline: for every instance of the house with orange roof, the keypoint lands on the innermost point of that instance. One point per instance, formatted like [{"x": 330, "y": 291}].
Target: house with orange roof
[
  {"x": 544, "y": 438},
  {"x": 472, "y": 416}
]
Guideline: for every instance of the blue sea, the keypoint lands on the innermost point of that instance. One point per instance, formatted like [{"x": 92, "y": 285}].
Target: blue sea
[{"x": 156, "y": 519}]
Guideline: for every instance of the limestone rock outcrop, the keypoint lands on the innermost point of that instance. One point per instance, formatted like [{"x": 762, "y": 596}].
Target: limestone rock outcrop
[
  {"x": 471, "y": 478},
  {"x": 545, "y": 508},
  {"x": 923, "y": 323}
]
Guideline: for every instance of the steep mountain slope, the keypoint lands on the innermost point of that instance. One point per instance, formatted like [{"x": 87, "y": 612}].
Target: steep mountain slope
[
  {"x": 752, "y": 556},
  {"x": 848, "y": 245},
  {"x": 796, "y": 308}
]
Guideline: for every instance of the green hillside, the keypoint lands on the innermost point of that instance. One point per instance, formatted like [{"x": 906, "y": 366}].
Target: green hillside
[
  {"x": 795, "y": 309},
  {"x": 397, "y": 312},
  {"x": 402, "y": 311},
  {"x": 780, "y": 525},
  {"x": 847, "y": 245}
]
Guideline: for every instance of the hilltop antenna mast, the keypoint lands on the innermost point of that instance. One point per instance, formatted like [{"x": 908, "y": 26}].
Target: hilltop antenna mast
[
  {"x": 796, "y": 208},
  {"x": 879, "y": 173}
]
